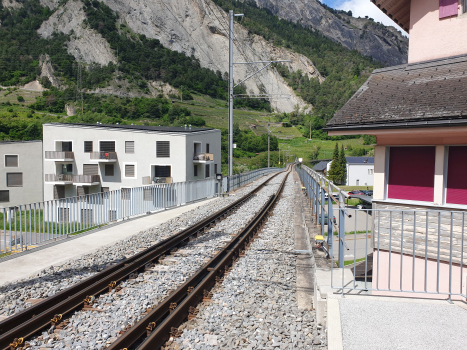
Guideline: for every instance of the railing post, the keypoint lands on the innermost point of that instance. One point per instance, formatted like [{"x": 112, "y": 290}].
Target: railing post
[
  {"x": 330, "y": 215},
  {"x": 341, "y": 228},
  {"x": 322, "y": 186}
]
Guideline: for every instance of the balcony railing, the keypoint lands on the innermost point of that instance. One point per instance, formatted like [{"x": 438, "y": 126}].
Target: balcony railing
[
  {"x": 86, "y": 179},
  {"x": 162, "y": 180},
  {"x": 104, "y": 156},
  {"x": 58, "y": 178},
  {"x": 59, "y": 155},
  {"x": 203, "y": 157}
]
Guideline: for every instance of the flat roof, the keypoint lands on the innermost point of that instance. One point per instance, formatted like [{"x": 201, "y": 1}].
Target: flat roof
[
  {"x": 168, "y": 129},
  {"x": 19, "y": 141}
]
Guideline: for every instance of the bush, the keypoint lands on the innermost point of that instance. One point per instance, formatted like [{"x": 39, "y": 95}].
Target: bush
[{"x": 20, "y": 98}]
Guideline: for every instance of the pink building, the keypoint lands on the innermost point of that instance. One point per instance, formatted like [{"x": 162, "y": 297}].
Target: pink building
[{"x": 418, "y": 113}]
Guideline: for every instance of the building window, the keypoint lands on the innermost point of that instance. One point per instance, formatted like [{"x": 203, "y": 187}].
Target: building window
[
  {"x": 207, "y": 171},
  {"x": 11, "y": 161},
  {"x": 82, "y": 190},
  {"x": 90, "y": 169},
  {"x": 107, "y": 146},
  {"x": 67, "y": 169},
  {"x": 215, "y": 169},
  {"x": 129, "y": 146},
  {"x": 4, "y": 196},
  {"x": 195, "y": 170},
  {"x": 163, "y": 149},
  {"x": 456, "y": 184},
  {"x": 411, "y": 174},
  {"x": 162, "y": 171},
  {"x": 207, "y": 148},
  {"x": 87, "y": 146},
  {"x": 67, "y": 146},
  {"x": 14, "y": 179},
  {"x": 129, "y": 170},
  {"x": 370, "y": 171},
  {"x": 59, "y": 192},
  {"x": 126, "y": 193},
  {"x": 447, "y": 8},
  {"x": 109, "y": 170}
]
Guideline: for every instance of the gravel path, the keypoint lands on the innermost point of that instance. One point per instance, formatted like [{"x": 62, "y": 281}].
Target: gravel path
[
  {"x": 15, "y": 296},
  {"x": 117, "y": 310},
  {"x": 255, "y": 306}
]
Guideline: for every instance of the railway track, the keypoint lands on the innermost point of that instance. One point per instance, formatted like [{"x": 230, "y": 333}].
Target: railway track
[
  {"x": 54, "y": 310},
  {"x": 163, "y": 321}
]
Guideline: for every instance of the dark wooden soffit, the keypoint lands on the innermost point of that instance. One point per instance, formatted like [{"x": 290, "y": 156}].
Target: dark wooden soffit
[
  {"x": 432, "y": 91},
  {"x": 397, "y": 10}
]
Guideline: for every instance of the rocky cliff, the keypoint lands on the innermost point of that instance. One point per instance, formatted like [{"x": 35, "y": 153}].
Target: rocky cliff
[
  {"x": 194, "y": 27},
  {"x": 383, "y": 43}
]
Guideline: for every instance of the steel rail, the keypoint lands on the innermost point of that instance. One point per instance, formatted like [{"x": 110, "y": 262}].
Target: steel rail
[
  {"x": 31, "y": 320},
  {"x": 153, "y": 330}
]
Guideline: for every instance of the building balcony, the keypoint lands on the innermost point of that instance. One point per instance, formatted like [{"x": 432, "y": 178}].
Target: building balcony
[
  {"x": 59, "y": 156},
  {"x": 203, "y": 158},
  {"x": 86, "y": 180},
  {"x": 59, "y": 179},
  {"x": 103, "y": 157}
]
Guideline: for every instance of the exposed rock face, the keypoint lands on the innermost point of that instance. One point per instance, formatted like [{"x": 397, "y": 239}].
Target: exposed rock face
[
  {"x": 51, "y": 4},
  {"x": 48, "y": 71},
  {"x": 86, "y": 45},
  {"x": 383, "y": 43},
  {"x": 34, "y": 85},
  {"x": 199, "y": 28},
  {"x": 70, "y": 110},
  {"x": 13, "y": 4}
]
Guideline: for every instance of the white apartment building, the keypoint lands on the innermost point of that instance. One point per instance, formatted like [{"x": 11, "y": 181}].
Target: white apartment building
[
  {"x": 82, "y": 159},
  {"x": 21, "y": 173},
  {"x": 360, "y": 171}
]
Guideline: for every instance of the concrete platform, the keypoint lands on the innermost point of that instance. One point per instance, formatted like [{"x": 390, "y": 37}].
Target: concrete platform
[{"x": 26, "y": 264}]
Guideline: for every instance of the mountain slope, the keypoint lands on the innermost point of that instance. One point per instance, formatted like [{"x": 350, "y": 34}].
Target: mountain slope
[{"x": 385, "y": 44}]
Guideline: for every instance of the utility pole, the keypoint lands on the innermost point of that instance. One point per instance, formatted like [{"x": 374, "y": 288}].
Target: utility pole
[
  {"x": 231, "y": 82},
  {"x": 232, "y": 86},
  {"x": 269, "y": 138}
]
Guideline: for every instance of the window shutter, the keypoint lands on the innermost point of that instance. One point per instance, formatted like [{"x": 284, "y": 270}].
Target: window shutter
[
  {"x": 456, "y": 191},
  {"x": 109, "y": 170},
  {"x": 129, "y": 170},
  {"x": 129, "y": 146},
  {"x": 90, "y": 169},
  {"x": 412, "y": 173},
  {"x": 87, "y": 146},
  {"x": 14, "y": 179},
  {"x": 107, "y": 146},
  {"x": 163, "y": 149},
  {"x": 11, "y": 161},
  {"x": 447, "y": 8},
  {"x": 4, "y": 196}
]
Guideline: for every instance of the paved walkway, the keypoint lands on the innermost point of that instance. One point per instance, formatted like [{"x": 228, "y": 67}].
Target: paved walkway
[
  {"x": 395, "y": 323},
  {"x": 34, "y": 261}
]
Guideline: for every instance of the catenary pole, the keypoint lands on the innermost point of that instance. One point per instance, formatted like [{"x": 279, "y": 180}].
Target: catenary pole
[{"x": 231, "y": 82}]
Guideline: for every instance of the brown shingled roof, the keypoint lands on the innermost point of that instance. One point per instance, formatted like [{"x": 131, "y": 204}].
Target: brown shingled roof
[{"x": 432, "y": 91}]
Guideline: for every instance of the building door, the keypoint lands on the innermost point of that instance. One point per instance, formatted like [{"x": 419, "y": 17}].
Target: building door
[{"x": 358, "y": 183}]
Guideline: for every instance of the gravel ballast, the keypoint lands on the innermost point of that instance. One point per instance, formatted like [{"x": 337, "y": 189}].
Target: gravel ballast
[{"x": 255, "y": 306}]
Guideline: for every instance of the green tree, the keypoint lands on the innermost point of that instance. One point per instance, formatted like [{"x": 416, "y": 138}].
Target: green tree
[
  {"x": 335, "y": 172},
  {"x": 343, "y": 165}
]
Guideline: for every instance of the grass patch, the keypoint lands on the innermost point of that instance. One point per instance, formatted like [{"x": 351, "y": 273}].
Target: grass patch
[
  {"x": 360, "y": 188},
  {"x": 3, "y": 255},
  {"x": 349, "y": 262},
  {"x": 348, "y": 233}
]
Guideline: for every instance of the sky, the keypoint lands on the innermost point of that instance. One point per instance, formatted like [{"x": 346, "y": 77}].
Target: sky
[{"x": 363, "y": 8}]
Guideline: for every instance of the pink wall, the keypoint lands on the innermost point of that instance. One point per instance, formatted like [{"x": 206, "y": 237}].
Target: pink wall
[
  {"x": 432, "y": 38},
  {"x": 407, "y": 272}
]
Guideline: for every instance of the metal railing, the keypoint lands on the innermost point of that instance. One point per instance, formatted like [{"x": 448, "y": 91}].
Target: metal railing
[
  {"x": 86, "y": 179},
  {"x": 59, "y": 155},
  {"x": 203, "y": 156},
  {"x": 103, "y": 155},
  {"x": 231, "y": 183},
  {"x": 58, "y": 178},
  {"x": 389, "y": 249},
  {"x": 32, "y": 224}
]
